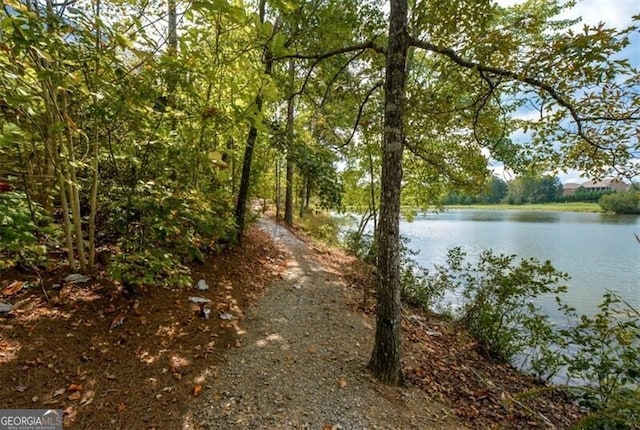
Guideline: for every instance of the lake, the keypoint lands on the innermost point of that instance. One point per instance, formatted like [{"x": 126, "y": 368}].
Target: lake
[{"x": 598, "y": 251}]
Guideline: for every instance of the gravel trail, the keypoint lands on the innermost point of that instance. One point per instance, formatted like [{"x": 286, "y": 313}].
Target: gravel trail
[{"x": 301, "y": 361}]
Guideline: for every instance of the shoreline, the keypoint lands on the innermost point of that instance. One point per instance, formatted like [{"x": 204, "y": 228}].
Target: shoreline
[{"x": 542, "y": 207}]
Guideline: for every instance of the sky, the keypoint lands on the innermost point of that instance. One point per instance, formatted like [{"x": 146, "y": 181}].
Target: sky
[{"x": 614, "y": 13}]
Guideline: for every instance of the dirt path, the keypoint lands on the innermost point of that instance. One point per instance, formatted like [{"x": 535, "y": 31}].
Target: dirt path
[{"x": 301, "y": 361}]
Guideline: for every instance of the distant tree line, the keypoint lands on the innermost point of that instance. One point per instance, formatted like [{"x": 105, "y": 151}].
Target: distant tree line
[
  {"x": 524, "y": 189},
  {"x": 546, "y": 189}
]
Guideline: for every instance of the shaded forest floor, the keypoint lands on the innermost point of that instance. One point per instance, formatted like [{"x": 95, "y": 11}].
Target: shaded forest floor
[
  {"x": 112, "y": 361},
  {"x": 292, "y": 355}
]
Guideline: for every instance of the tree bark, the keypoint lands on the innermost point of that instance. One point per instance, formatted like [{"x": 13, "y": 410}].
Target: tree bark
[
  {"x": 385, "y": 359},
  {"x": 172, "y": 41},
  {"x": 245, "y": 179},
  {"x": 288, "y": 199}
]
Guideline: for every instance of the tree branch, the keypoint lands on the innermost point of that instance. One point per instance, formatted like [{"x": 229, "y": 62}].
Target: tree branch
[
  {"x": 333, "y": 53},
  {"x": 481, "y": 68},
  {"x": 360, "y": 110}
]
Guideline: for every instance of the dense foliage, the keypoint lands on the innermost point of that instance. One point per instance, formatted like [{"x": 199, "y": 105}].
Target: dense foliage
[
  {"x": 621, "y": 202},
  {"x": 149, "y": 127}
]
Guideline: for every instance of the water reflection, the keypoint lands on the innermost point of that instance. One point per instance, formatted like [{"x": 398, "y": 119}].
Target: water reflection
[
  {"x": 529, "y": 216},
  {"x": 598, "y": 251}
]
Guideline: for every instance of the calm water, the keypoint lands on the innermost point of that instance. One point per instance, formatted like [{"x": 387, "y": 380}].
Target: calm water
[{"x": 598, "y": 251}]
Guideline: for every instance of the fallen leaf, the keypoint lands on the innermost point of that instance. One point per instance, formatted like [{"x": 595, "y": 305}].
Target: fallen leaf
[
  {"x": 122, "y": 407},
  {"x": 117, "y": 322},
  {"x": 74, "y": 396},
  {"x": 342, "y": 383},
  {"x": 58, "y": 392},
  {"x": 327, "y": 426},
  {"x": 74, "y": 387},
  {"x": 197, "y": 389},
  {"x": 13, "y": 288}
]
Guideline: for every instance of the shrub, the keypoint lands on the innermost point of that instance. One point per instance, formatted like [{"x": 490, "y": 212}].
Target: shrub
[
  {"x": 604, "y": 358},
  {"x": 19, "y": 241},
  {"x": 149, "y": 267},
  {"x": 362, "y": 245},
  {"x": 622, "y": 202},
  {"x": 160, "y": 228},
  {"x": 420, "y": 288},
  {"x": 499, "y": 310},
  {"x": 322, "y": 227}
]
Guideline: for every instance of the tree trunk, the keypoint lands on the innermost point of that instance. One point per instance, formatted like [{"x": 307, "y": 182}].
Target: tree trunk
[
  {"x": 245, "y": 179},
  {"x": 288, "y": 199},
  {"x": 93, "y": 200},
  {"x": 172, "y": 41},
  {"x": 385, "y": 359},
  {"x": 307, "y": 191},
  {"x": 277, "y": 190},
  {"x": 372, "y": 189}
]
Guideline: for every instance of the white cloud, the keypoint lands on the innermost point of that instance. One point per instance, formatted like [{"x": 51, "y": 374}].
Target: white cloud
[{"x": 615, "y": 13}]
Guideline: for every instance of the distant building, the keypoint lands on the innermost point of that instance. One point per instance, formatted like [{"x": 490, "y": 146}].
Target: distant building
[
  {"x": 569, "y": 189},
  {"x": 604, "y": 185}
]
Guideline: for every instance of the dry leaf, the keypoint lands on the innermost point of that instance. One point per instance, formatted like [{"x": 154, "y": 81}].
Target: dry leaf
[
  {"x": 13, "y": 288},
  {"x": 342, "y": 382},
  {"x": 122, "y": 407},
  {"x": 197, "y": 389},
  {"x": 74, "y": 387},
  {"x": 117, "y": 322},
  {"x": 327, "y": 426},
  {"x": 74, "y": 396}
]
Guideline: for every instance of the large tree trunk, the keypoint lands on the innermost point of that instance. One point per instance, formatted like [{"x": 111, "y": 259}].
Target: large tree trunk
[
  {"x": 385, "y": 359},
  {"x": 288, "y": 199}
]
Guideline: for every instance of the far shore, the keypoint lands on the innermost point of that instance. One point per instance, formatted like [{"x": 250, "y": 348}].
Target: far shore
[
  {"x": 559, "y": 207},
  {"x": 549, "y": 207}
]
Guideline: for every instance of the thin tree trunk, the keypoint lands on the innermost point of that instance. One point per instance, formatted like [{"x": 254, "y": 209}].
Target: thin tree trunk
[
  {"x": 67, "y": 220},
  {"x": 172, "y": 42},
  {"x": 307, "y": 192},
  {"x": 277, "y": 190},
  {"x": 372, "y": 189},
  {"x": 74, "y": 197},
  {"x": 245, "y": 179},
  {"x": 385, "y": 359},
  {"x": 288, "y": 203},
  {"x": 303, "y": 181},
  {"x": 93, "y": 201},
  {"x": 243, "y": 192}
]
